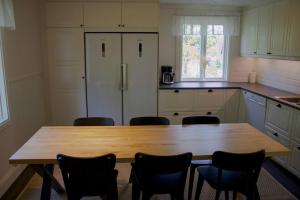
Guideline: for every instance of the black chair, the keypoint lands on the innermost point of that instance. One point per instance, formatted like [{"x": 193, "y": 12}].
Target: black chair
[
  {"x": 94, "y": 121},
  {"x": 89, "y": 176},
  {"x": 160, "y": 175},
  {"x": 196, "y": 163},
  {"x": 232, "y": 172},
  {"x": 142, "y": 121}
]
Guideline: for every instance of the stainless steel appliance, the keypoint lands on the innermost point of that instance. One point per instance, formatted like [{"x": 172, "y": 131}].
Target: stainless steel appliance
[
  {"x": 167, "y": 75},
  {"x": 121, "y": 74}
]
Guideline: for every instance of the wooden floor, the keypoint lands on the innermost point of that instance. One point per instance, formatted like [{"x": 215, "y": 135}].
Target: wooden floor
[{"x": 269, "y": 188}]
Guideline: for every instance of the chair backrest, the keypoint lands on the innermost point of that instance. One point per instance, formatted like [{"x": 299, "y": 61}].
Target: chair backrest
[
  {"x": 248, "y": 163},
  {"x": 141, "y": 121},
  {"x": 154, "y": 171},
  {"x": 94, "y": 121},
  {"x": 88, "y": 176},
  {"x": 200, "y": 120}
]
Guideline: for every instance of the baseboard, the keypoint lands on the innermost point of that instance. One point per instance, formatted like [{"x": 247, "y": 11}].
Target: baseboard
[{"x": 18, "y": 185}]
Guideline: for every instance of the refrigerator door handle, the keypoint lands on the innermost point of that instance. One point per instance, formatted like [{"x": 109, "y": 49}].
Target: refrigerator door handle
[{"x": 124, "y": 77}]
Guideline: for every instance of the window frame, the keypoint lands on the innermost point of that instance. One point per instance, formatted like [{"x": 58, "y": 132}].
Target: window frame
[
  {"x": 4, "y": 107},
  {"x": 203, "y": 53}
]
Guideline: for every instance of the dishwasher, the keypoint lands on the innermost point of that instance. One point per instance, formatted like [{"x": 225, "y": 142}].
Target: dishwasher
[{"x": 255, "y": 109}]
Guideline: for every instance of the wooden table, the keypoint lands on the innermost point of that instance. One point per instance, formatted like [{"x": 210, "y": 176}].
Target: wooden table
[{"x": 124, "y": 141}]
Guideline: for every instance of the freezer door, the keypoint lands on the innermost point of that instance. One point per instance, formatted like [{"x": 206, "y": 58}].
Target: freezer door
[
  {"x": 140, "y": 74},
  {"x": 103, "y": 70}
]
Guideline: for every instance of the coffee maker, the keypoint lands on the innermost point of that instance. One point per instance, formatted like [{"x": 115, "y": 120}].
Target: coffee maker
[{"x": 167, "y": 75}]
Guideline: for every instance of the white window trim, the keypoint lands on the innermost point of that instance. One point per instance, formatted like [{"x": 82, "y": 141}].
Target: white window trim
[
  {"x": 203, "y": 39},
  {"x": 4, "y": 107}
]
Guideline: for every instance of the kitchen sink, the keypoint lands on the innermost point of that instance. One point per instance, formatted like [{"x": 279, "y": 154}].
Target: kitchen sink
[{"x": 292, "y": 100}]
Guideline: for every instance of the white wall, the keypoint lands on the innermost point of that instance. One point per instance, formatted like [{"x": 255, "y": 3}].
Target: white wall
[
  {"x": 281, "y": 74},
  {"x": 23, "y": 68},
  {"x": 239, "y": 68}
]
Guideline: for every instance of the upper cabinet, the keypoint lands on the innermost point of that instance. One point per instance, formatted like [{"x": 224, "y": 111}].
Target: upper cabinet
[
  {"x": 135, "y": 15},
  {"x": 294, "y": 29},
  {"x": 275, "y": 32},
  {"x": 119, "y": 16},
  {"x": 249, "y": 32},
  {"x": 106, "y": 15},
  {"x": 64, "y": 14}
]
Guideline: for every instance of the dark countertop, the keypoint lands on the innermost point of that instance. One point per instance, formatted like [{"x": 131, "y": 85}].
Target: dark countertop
[{"x": 266, "y": 91}]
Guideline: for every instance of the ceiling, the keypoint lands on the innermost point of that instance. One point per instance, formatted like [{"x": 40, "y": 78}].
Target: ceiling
[{"x": 238, "y": 3}]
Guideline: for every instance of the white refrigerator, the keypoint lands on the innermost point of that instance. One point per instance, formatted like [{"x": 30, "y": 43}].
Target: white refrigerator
[{"x": 121, "y": 75}]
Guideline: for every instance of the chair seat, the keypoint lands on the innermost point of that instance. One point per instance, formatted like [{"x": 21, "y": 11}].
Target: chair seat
[
  {"x": 201, "y": 162},
  {"x": 231, "y": 180}
]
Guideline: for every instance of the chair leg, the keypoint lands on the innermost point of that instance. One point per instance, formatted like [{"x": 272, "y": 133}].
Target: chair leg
[
  {"x": 135, "y": 191},
  {"x": 131, "y": 176},
  {"x": 199, "y": 187},
  {"x": 218, "y": 192},
  {"x": 234, "y": 195},
  {"x": 226, "y": 195},
  {"x": 191, "y": 181},
  {"x": 146, "y": 196},
  {"x": 256, "y": 194}
]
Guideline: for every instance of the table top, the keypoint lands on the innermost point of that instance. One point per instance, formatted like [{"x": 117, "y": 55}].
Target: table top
[{"x": 125, "y": 141}]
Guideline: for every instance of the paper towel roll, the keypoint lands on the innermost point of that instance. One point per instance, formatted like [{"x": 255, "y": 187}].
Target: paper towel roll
[{"x": 252, "y": 77}]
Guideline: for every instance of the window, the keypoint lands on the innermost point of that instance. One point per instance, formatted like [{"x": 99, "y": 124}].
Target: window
[
  {"x": 203, "y": 52},
  {"x": 3, "y": 99}
]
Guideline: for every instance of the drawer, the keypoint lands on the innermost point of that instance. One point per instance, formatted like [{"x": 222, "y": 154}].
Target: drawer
[
  {"x": 255, "y": 98},
  {"x": 279, "y": 137},
  {"x": 279, "y": 117},
  {"x": 295, "y": 159},
  {"x": 210, "y": 98},
  {"x": 176, "y": 100},
  {"x": 176, "y": 117},
  {"x": 296, "y": 128}
]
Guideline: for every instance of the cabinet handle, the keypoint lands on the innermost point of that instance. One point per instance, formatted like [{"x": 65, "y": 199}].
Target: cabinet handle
[
  {"x": 81, "y": 25},
  {"x": 210, "y": 90},
  {"x": 140, "y": 49},
  {"x": 275, "y": 134},
  {"x": 254, "y": 52},
  {"x": 103, "y": 49},
  {"x": 83, "y": 77},
  {"x": 279, "y": 105},
  {"x": 176, "y": 91},
  {"x": 176, "y": 114},
  {"x": 208, "y": 113},
  {"x": 269, "y": 53}
]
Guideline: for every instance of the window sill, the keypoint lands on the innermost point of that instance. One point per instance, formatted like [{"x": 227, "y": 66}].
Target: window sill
[{"x": 5, "y": 125}]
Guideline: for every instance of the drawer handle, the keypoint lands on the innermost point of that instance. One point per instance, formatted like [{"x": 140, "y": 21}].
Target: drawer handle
[
  {"x": 176, "y": 114},
  {"x": 208, "y": 113},
  {"x": 275, "y": 134},
  {"x": 176, "y": 91},
  {"x": 210, "y": 90},
  {"x": 279, "y": 105}
]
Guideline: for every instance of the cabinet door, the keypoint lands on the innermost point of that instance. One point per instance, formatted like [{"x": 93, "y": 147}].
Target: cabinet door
[
  {"x": 296, "y": 128},
  {"x": 264, "y": 30},
  {"x": 64, "y": 14},
  {"x": 232, "y": 106},
  {"x": 249, "y": 32},
  {"x": 140, "y": 15},
  {"x": 66, "y": 75},
  {"x": 279, "y": 28},
  {"x": 283, "y": 160},
  {"x": 176, "y": 100},
  {"x": 295, "y": 159},
  {"x": 279, "y": 117},
  {"x": 294, "y": 29},
  {"x": 209, "y": 99},
  {"x": 104, "y": 15}
]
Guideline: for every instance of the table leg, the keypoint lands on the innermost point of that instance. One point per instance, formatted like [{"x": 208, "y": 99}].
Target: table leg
[{"x": 46, "y": 172}]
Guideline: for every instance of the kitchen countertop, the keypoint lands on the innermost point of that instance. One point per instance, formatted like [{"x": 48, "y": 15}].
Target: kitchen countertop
[{"x": 266, "y": 91}]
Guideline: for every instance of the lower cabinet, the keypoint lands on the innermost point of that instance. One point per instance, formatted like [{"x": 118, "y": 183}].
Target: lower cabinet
[
  {"x": 279, "y": 137},
  {"x": 295, "y": 159},
  {"x": 176, "y": 117}
]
